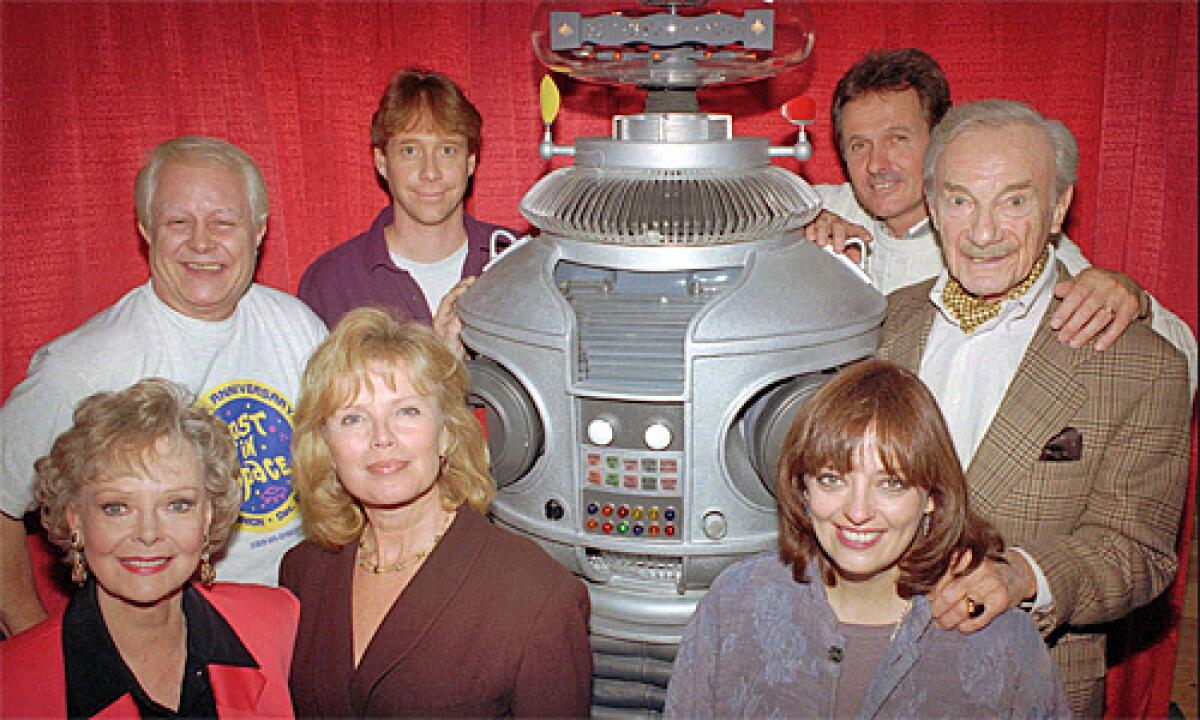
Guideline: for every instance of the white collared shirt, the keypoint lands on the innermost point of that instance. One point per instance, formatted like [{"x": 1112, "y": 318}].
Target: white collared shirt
[
  {"x": 892, "y": 262},
  {"x": 969, "y": 374}
]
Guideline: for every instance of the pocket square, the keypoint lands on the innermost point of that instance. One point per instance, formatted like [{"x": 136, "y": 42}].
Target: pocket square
[{"x": 1066, "y": 446}]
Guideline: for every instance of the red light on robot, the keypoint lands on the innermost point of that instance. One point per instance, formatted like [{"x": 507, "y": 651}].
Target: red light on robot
[{"x": 800, "y": 109}]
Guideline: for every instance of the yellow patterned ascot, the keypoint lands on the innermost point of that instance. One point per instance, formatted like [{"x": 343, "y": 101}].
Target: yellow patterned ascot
[{"x": 971, "y": 312}]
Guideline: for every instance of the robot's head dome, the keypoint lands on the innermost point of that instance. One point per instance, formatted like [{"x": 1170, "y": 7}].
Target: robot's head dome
[{"x": 671, "y": 43}]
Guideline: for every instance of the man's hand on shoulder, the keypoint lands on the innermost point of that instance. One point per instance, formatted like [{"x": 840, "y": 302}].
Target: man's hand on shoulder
[
  {"x": 995, "y": 586},
  {"x": 827, "y": 229},
  {"x": 1097, "y": 304}
]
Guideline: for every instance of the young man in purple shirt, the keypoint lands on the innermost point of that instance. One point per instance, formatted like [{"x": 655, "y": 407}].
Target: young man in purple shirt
[{"x": 423, "y": 250}]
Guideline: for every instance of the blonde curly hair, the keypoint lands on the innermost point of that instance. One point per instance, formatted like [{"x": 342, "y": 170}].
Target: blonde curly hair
[
  {"x": 114, "y": 432},
  {"x": 369, "y": 342}
]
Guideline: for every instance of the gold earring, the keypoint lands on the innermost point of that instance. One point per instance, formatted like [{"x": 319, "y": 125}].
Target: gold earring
[
  {"x": 207, "y": 573},
  {"x": 79, "y": 571}
]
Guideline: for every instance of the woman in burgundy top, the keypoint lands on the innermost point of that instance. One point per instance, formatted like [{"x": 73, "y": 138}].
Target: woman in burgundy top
[{"x": 412, "y": 603}]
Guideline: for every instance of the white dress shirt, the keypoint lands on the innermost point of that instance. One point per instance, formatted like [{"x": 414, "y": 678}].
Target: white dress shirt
[{"x": 969, "y": 373}]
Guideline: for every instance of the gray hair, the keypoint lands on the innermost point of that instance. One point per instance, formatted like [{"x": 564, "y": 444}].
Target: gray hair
[
  {"x": 997, "y": 114},
  {"x": 199, "y": 148}
]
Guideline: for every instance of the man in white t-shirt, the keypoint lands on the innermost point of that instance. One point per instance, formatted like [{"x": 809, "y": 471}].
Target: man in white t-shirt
[
  {"x": 883, "y": 110},
  {"x": 200, "y": 320}
]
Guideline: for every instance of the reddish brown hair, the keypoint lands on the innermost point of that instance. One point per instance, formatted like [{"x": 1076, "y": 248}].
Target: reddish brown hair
[
  {"x": 415, "y": 96},
  {"x": 880, "y": 400}
]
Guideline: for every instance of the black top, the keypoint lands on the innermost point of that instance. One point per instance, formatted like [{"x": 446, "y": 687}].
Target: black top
[{"x": 97, "y": 675}]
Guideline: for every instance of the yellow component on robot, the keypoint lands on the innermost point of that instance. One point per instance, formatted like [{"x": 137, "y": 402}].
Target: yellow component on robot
[{"x": 550, "y": 100}]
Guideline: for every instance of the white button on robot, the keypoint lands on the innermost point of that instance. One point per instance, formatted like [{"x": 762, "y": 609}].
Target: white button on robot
[
  {"x": 601, "y": 432},
  {"x": 657, "y": 436}
]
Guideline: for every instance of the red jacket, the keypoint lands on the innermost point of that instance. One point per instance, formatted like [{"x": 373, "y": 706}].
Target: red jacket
[{"x": 32, "y": 682}]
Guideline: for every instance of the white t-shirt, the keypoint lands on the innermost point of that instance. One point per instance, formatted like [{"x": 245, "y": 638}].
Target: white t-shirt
[
  {"x": 246, "y": 370},
  {"x": 435, "y": 278}
]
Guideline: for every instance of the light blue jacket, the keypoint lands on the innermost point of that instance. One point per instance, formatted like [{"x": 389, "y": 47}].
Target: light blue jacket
[{"x": 762, "y": 645}]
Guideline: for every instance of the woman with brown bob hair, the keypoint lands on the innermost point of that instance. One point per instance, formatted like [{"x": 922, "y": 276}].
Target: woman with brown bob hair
[
  {"x": 873, "y": 513},
  {"x": 412, "y": 603},
  {"x": 140, "y": 493}
]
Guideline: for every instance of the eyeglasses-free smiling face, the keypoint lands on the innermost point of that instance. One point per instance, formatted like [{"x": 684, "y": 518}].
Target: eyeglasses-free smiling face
[
  {"x": 995, "y": 207},
  {"x": 143, "y": 528},
  {"x": 864, "y": 519},
  {"x": 387, "y": 442},
  {"x": 427, "y": 172},
  {"x": 202, "y": 240},
  {"x": 884, "y": 138}
]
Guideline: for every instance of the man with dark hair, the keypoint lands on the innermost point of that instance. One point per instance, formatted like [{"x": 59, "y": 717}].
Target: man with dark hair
[
  {"x": 421, "y": 251},
  {"x": 1078, "y": 458},
  {"x": 883, "y": 110}
]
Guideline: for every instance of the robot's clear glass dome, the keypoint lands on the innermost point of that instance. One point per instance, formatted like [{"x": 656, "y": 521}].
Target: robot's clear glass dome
[{"x": 671, "y": 43}]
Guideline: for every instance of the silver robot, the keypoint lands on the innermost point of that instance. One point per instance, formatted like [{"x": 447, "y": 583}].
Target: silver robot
[{"x": 639, "y": 360}]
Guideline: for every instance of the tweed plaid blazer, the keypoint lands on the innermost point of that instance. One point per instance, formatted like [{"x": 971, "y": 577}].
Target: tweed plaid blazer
[{"x": 1099, "y": 518}]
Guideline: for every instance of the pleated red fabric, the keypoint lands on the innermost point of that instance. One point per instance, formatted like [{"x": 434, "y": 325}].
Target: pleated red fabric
[{"x": 89, "y": 87}]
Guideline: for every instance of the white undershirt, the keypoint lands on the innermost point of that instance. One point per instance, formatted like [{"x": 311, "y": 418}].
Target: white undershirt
[{"x": 435, "y": 278}]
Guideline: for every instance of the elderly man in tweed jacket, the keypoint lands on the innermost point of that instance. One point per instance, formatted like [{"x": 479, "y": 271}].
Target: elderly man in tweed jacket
[{"x": 1079, "y": 458}]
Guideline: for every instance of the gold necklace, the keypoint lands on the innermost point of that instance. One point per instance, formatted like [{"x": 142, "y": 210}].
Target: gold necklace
[{"x": 375, "y": 568}]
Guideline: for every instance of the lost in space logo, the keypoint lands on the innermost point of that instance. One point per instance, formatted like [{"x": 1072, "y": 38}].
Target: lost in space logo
[{"x": 260, "y": 420}]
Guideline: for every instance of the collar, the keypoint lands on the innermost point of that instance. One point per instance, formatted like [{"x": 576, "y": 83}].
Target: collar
[
  {"x": 882, "y": 230},
  {"x": 97, "y": 676},
  {"x": 920, "y": 228},
  {"x": 377, "y": 253},
  {"x": 196, "y": 326}
]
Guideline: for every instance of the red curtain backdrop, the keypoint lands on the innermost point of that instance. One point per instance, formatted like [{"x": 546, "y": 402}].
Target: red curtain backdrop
[{"x": 89, "y": 87}]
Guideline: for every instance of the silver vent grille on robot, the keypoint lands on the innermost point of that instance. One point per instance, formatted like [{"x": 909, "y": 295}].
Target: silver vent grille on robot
[
  {"x": 632, "y": 325},
  {"x": 621, "y": 206}
]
